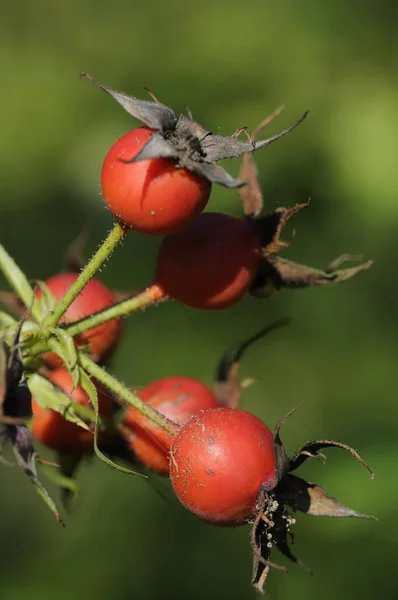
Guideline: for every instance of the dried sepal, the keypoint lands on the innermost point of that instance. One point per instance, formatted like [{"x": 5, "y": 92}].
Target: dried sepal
[
  {"x": 313, "y": 448},
  {"x": 156, "y": 147},
  {"x": 185, "y": 140},
  {"x": 16, "y": 403},
  {"x": 282, "y": 461},
  {"x": 216, "y": 174},
  {"x": 153, "y": 114},
  {"x": 260, "y": 537},
  {"x": 228, "y": 386},
  {"x": 272, "y": 521},
  {"x": 189, "y": 126},
  {"x": 269, "y": 228},
  {"x": 293, "y": 275},
  {"x": 311, "y": 499},
  {"x": 219, "y": 147},
  {"x": 16, "y": 407},
  {"x": 271, "y": 528},
  {"x": 251, "y": 195},
  {"x": 276, "y": 273}
]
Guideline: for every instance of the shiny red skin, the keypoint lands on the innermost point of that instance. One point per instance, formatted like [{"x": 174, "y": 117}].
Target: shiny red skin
[
  {"x": 211, "y": 263},
  {"x": 218, "y": 462},
  {"x": 95, "y": 296},
  {"x": 52, "y": 430},
  {"x": 151, "y": 196},
  {"x": 177, "y": 398}
]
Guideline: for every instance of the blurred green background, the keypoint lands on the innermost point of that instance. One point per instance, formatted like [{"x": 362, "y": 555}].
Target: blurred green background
[{"x": 232, "y": 63}]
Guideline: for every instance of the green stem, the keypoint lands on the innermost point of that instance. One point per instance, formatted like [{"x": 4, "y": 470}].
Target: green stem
[
  {"x": 149, "y": 296},
  {"x": 102, "y": 254},
  {"x": 19, "y": 283},
  {"x": 122, "y": 392}
]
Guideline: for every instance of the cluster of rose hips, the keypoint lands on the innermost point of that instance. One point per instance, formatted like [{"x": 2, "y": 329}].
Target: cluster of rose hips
[{"x": 225, "y": 465}]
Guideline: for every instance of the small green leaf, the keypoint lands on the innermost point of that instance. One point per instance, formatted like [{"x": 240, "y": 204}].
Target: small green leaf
[
  {"x": 63, "y": 345},
  {"x": 47, "y": 395},
  {"x": 19, "y": 283},
  {"x": 58, "y": 478},
  {"x": 6, "y": 320},
  {"x": 91, "y": 391},
  {"x": 47, "y": 301}
]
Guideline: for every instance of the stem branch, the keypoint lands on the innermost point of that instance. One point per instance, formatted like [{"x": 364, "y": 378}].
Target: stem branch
[
  {"x": 149, "y": 296},
  {"x": 102, "y": 254},
  {"x": 122, "y": 392}
]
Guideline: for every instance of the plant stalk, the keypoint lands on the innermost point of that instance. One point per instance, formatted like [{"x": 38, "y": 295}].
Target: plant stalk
[
  {"x": 122, "y": 392},
  {"x": 114, "y": 237},
  {"x": 149, "y": 296}
]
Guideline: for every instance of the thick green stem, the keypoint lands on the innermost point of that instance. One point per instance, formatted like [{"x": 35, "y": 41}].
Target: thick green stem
[
  {"x": 150, "y": 296},
  {"x": 122, "y": 392},
  {"x": 102, "y": 254}
]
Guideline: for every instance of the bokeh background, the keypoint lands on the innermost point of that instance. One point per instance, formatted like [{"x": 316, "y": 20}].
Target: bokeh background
[{"x": 232, "y": 63}]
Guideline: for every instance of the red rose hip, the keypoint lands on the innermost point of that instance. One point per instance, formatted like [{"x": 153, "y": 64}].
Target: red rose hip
[
  {"x": 218, "y": 462},
  {"x": 94, "y": 297},
  {"x": 152, "y": 196},
  {"x": 177, "y": 398},
  {"x": 209, "y": 264}
]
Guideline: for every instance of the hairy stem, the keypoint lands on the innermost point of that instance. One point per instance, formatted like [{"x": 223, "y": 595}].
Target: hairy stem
[
  {"x": 149, "y": 296},
  {"x": 116, "y": 234},
  {"x": 122, "y": 392}
]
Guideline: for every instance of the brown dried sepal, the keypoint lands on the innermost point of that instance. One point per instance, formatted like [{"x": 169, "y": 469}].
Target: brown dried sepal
[
  {"x": 228, "y": 386},
  {"x": 311, "y": 499},
  {"x": 186, "y": 141},
  {"x": 272, "y": 523},
  {"x": 276, "y": 273},
  {"x": 250, "y": 194}
]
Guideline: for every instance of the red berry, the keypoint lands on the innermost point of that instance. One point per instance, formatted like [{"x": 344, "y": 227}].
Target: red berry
[
  {"x": 211, "y": 263},
  {"x": 151, "y": 196},
  {"x": 93, "y": 298},
  {"x": 177, "y": 398},
  {"x": 218, "y": 462},
  {"x": 52, "y": 430}
]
